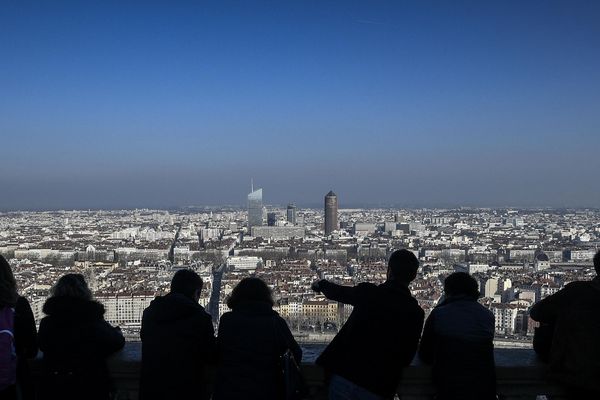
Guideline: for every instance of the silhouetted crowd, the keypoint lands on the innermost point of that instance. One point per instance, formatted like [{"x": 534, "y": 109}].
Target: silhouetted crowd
[{"x": 255, "y": 356}]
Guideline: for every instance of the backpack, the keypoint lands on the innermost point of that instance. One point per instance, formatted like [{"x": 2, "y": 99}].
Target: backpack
[{"x": 8, "y": 355}]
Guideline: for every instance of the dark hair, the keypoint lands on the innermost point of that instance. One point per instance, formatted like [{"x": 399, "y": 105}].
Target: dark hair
[
  {"x": 597, "y": 262},
  {"x": 72, "y": 285},
  {"x": 250, "y": 289},
  {"x": 186, "y": 282},
  {"x": 8, "y": 285},
  {"x": 461, "y": 284},
  {"x": 403, "y": 265}
]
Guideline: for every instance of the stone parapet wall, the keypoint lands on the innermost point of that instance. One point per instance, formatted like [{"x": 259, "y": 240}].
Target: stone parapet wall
[{"x": 520, "y": 376}]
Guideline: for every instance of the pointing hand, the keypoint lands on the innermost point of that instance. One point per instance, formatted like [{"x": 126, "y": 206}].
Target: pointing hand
[{"x": 316, "y": 286}]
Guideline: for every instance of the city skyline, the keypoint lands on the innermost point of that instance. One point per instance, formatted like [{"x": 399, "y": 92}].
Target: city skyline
[
  {"x": 110, "y": 106},
  {"x": 307, "y": 206},
  {"x": 517, "y": 257}
]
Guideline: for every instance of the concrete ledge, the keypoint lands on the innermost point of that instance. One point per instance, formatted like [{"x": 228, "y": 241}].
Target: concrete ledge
[{"x": 519, "y": 376}]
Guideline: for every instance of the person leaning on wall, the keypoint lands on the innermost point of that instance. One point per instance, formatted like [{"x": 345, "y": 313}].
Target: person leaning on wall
[
  {"x": 458, "y": 340},
  {"x": 574, "y": 355},
  {"x": 19, "y": 330},
  {"x": 380, "y": 338},
  {"x": 178, "y": 341},
  {"x": 251, "y": 342},
  {"x": 76, "y": 340}
]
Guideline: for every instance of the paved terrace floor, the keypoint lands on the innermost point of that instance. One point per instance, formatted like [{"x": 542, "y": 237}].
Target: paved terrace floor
[{"x": 520, "y": 375}]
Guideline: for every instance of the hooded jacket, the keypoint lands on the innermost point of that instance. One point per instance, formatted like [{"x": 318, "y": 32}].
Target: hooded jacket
[
  {"x": 76, "y": 340},
  {"x": 177, "y": 342}
]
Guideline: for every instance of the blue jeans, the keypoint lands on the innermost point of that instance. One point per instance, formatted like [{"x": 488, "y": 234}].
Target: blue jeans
[{"x": 342, "y": 389}]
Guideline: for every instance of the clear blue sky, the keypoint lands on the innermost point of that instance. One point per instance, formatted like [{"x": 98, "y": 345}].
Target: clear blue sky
[{"x": 134, "y": 104}]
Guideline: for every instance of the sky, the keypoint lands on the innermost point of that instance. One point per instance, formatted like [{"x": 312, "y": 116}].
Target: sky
[{"x": 409, "y": 103}]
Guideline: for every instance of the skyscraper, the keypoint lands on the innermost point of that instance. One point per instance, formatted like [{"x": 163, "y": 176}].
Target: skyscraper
[
  {"x": 255, "y": 208},
  {"x": 271, "y": 219},
  {"x": 291, "y": 213},
  {"x": 331, "y": 213}
]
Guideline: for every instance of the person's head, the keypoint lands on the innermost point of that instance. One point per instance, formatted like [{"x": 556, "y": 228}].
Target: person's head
[
  {"x": 461, "y": 284},
  {"x": 187, "y": 283},
  {"x": 8, "y": 285},
  {"x": 72, "y": 285},
  {"x": 402, "y": 266},
  {"x": 597, "y": 263},
  {"x": 250, "y": 289}
]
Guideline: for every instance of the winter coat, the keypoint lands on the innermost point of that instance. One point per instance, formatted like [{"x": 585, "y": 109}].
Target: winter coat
[
  {"x": 177, "y": 342},
  {"x": 575, "y": 349},
  {"x": 76, "y": 340},
  {"x": 26, "y": 347},
  {"x": 26, "y": 342},
  {"x": 379, "y": 338},
  {"x": 458, "y": 340},
  {"x": 251, "y": 340}
]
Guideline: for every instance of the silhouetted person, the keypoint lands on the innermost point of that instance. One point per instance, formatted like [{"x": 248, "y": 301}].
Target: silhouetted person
[
  {"x": 178, "y": 340},
  {"x": 458, "y": 340},
  {"x": 16, "y": 312},
  {"x": 76, "y": 340},
  {"x": 366, "y": 358},
  {"x": 251, "y": 340},
  {"x": 575, "y": 352}
]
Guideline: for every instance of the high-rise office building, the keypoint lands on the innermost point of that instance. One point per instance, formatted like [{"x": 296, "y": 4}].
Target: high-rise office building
[
  {"x": 291, "y": 214},
  {"x": 271, "y": 219},
  {"x": 255, "y": 208},
  {"x": 331, "y": 213}
]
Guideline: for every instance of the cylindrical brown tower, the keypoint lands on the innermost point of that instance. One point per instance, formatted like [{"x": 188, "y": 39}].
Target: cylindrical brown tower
[{"x": 331, "y": 213}]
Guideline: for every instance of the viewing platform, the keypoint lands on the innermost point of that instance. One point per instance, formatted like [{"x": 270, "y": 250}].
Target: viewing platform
[{"x": 520, "y": 375}]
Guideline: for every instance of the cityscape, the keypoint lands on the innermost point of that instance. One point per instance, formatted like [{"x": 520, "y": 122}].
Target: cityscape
[
  {"x": 300, "y": 199},
  {"x": 518, "y": 256}
]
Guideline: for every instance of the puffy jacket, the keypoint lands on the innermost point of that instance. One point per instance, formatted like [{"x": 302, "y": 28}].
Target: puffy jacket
[{"x": 76, "y": 340}]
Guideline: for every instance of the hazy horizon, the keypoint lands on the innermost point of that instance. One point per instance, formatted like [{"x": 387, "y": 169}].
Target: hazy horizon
[
  {"x": 305, "y": 206},
  {"x": 467, "y": 103}
]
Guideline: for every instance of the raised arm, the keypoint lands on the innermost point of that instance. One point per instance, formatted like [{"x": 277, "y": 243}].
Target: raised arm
[{"x": 343, "y": 294}]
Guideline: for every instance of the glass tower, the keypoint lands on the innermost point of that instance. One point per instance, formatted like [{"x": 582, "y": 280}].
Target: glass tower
[
  {"x": 255, "y": 209},
  {"x": 291, "y": 214}
]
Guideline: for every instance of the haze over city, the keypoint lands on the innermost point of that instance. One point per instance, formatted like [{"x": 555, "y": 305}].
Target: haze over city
[{"x": 113, "y": 105}]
